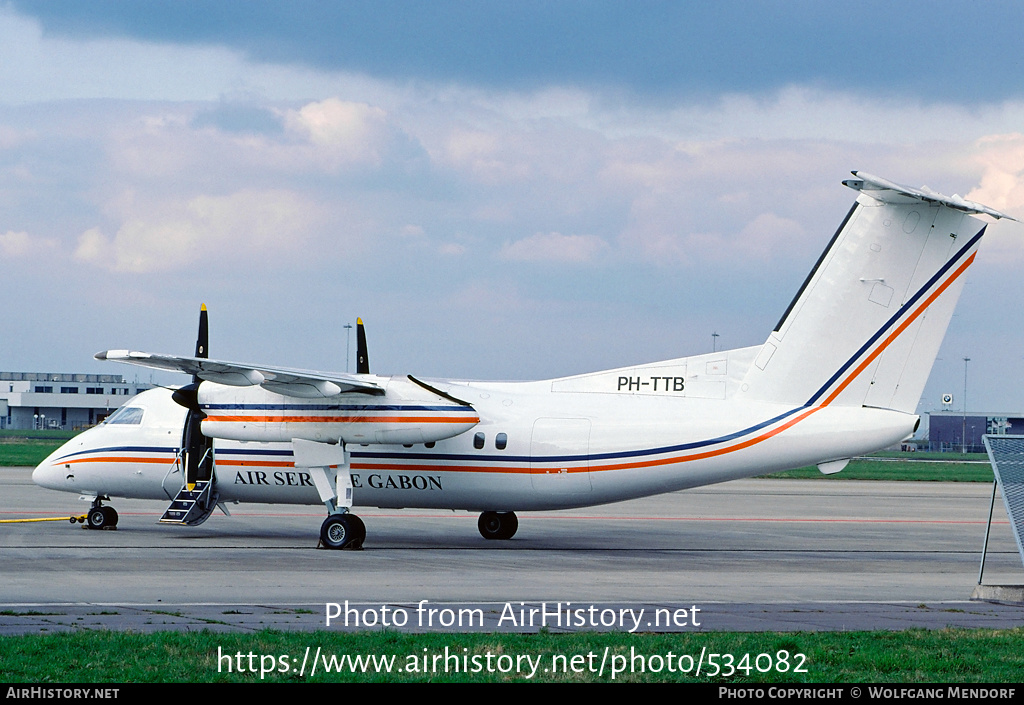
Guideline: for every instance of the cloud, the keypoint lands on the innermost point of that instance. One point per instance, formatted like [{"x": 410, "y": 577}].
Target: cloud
[
  {"x": 10, "y": 138},
  {"x": 475, "y": 151},
  {"x": 1002, "y": 181},
  {"x": 554, "y": 247},
  {"x": 766, "y": 237},
  {"x": 246, "y": 227},
  {"x": 1001, "y": 158},
  {"x": 14, "y": 244},
  {"x": 20, "y": 244},
  {"x": 343, "y": 132},
  {"x": 95, "y": 247},
  {"x": 769, "y": 235},
  {"x": 452, "y": 249},
  {"x": 669, "y": 48}
]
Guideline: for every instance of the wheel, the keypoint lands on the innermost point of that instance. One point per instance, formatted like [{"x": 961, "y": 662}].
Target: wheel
[
  {"x": 342, "y": 531},
  {"x": 498, "y": 526},
  {"x": 98, "y": 518},
  {"x": 335, "y": 531}
]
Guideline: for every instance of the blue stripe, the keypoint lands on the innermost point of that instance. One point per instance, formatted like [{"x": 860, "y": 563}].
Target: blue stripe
[
  {"x": 471, "y": 457},
  {"x": 579, "y": 458},
  {"x": 120, "y": 449}
]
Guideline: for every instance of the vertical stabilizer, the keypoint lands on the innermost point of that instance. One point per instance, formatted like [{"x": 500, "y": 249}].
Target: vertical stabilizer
[{"x": 867, "y": 324}]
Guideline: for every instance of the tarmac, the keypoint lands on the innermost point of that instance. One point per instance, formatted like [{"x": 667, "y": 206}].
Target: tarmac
[{"x": 750, "y": 555}]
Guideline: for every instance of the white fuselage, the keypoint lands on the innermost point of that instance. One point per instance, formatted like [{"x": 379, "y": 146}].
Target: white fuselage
[{"x": 537, "y": 445}]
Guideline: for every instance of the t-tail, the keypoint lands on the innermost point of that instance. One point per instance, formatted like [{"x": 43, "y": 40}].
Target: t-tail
[{"x": 866, "y": 325}]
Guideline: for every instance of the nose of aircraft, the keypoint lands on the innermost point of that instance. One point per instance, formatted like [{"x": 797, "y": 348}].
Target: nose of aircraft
[{"x": 49, "y": 475}]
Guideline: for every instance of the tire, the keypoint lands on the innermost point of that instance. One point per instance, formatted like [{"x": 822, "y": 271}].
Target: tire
[
  {"x": 498, "y": 526},
  {"x": 358, "y": 532},
  {"x": 339, "y": 531},
  {"x": 111, "y": 516}
]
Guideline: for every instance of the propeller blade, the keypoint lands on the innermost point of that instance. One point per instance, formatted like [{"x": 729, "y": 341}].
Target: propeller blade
[
  {"x": 202, "y": 342},
  {"x": 195, "y": 445},
  {"x": 203, "y": 339},
  {"x": 362, "y": 360},
  {"x": 186, "y": 396}
]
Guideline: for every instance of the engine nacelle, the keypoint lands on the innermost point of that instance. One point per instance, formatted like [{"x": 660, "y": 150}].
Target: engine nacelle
[{"x": 406, "y": 413}]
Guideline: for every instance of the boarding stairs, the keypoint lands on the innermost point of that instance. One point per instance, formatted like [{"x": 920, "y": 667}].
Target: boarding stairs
[{"x": 193, "y": 504}]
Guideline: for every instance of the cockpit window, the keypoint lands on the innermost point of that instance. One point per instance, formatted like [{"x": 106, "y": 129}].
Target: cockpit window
[{"x": 126, "y": 415}]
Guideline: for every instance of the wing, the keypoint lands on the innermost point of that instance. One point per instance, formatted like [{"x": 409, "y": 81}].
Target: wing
[{"x": 293, "y": 383}]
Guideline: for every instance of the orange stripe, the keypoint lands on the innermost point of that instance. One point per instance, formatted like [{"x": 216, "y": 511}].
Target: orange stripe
[
  {"x": 495, "y": 469},
  {"x": 720, "y": 451},
  {"x": 600, "y": 468},
  {"x": 114, "y": 459}
]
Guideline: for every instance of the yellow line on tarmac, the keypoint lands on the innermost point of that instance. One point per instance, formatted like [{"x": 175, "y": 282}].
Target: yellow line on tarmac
[{"x": 72, "y": 519}]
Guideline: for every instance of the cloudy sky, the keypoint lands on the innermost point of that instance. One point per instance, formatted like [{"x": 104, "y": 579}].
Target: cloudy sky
[{"x": 501, "y": 190}]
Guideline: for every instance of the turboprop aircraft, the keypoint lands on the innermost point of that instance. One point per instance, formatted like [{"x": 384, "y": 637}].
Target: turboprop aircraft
[{"x": 839, "y": 375}]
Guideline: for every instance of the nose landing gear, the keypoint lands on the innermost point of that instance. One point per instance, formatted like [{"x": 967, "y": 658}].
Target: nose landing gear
[{"x": 100, "y": 517}]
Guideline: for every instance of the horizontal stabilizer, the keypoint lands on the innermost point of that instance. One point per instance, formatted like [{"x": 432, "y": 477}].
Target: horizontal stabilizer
[{"x": 889, "y": 192}]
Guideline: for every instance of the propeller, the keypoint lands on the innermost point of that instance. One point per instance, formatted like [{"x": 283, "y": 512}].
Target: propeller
[
  {"x": 362, "y": 360},
  {"x": 195, "y": 446}
]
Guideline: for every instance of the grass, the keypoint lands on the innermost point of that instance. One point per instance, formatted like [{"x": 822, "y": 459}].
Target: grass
[
  {"x": 905, "y": 466},
  {"x": 912, "y": 656},
  {"x": 30, "y": 447},
  {"x": 51, "y": 434}
]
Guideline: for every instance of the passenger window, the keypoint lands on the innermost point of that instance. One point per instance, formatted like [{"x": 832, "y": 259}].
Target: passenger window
[
  {"x": 501, "y": 441},
  {"x": 478, "y": 440}
]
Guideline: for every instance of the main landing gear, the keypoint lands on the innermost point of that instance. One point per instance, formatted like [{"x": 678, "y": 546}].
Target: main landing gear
[
  {"x": 347, "y": 531},
  {"x": 100, "y": 517},
  {"x": 498, "y": 526},
  {"x": 343, "y": 531}
]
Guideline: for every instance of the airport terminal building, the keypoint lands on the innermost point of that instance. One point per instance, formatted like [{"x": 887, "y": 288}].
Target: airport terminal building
[{"x": 37, "y": 400}]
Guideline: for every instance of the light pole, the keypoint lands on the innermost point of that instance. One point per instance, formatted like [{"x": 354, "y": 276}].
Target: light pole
[
  {"x": 963, "y": 431},
  {"x": 714, "y": 342}
]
